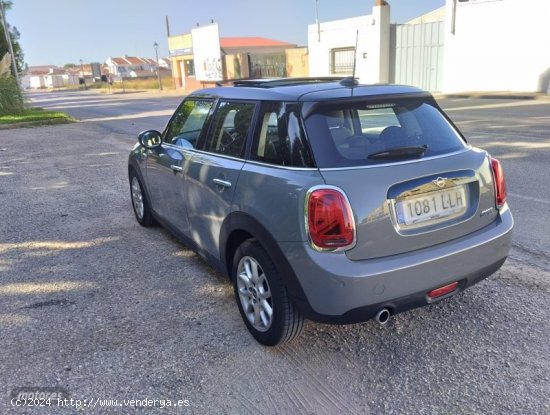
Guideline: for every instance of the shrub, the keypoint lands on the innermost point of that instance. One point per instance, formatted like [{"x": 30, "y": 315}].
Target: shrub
[{"x": 11, "y": 99}]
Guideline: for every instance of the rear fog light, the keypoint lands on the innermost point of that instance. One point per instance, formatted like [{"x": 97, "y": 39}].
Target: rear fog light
[{"x": 441, "y": 291}]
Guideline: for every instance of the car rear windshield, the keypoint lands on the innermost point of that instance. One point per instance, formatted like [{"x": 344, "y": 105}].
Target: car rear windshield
[{"x": 359, "y": 133}]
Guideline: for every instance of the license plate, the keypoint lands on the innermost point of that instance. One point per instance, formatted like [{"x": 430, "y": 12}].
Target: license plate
[{"x": 434, "y": 206}]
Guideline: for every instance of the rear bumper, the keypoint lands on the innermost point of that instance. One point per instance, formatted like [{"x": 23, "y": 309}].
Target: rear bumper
[{"x": 339, "y": 290}]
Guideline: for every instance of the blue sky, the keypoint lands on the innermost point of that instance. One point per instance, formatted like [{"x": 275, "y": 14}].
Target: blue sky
[{"x": 65, "y": 31}]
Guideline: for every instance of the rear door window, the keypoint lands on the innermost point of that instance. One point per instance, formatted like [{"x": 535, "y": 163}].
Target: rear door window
[
  {"x": 279, "y": 138},
  {"x": 364, "y": 133}
]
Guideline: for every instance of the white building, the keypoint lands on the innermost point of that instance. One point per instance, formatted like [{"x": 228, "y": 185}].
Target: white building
[
  {"x": 26, "y": 81},
  {"x": 469, "y": 45},
  {"x": 123, "y": 66},
  {"x": 51, "y": 81},
  {"x": 37, "y": 81},
  {"x": 165, "y": 63},
  {"x": 497, "y": 46},
  {"x": 332, "y": 46}
]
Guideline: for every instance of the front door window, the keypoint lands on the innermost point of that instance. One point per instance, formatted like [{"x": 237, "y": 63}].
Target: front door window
[
  {"x": 230, "y": 129},
  {"x": 188, "y": 122}
]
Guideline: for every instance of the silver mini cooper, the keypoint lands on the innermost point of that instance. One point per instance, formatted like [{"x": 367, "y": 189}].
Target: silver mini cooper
[{"x": 324, "y": 199}]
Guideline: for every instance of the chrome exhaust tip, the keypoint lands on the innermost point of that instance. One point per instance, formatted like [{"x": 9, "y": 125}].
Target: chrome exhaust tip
[{"x": 383, "y": 316}]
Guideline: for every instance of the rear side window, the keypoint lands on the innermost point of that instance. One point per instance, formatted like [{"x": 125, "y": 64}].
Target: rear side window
[
  {"x": 188, "y": 121},
  {"x": 279, "y": 138},
  {"x": 364, "y": 133}
]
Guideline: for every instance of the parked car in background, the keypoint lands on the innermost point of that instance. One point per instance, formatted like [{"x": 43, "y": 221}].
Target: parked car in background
[{"x": 324, "y": 199}]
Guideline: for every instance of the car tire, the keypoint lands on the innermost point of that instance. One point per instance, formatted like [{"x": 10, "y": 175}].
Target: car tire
[
  {"x": 262, "y": 297},
  {"x": 140, "y": 202}
]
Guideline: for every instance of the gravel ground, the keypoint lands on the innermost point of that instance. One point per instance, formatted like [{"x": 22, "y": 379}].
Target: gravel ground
[{"x": 105, "y": 309}]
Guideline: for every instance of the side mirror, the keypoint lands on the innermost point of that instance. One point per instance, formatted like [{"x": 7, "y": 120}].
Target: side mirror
[{"x": 150, "y": 139}]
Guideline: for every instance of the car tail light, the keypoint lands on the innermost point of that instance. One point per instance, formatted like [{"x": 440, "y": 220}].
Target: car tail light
[
  {"x": 441, "y": 291},
  {"x": 500, "y": 182},
  {"x": 330, "y": 223}
]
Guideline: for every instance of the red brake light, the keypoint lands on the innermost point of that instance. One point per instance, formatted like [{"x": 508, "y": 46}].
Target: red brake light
[
  {"x": 500, "y": 182},
  {"x": 329, "y": 219}
]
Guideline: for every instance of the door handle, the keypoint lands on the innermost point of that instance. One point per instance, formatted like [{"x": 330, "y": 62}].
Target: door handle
[
  {"x": 176, "y": 168},
  {"x": 222, "y": 183}
]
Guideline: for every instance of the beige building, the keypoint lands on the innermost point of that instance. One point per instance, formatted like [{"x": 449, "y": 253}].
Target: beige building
[{"x": 238, "y": 58}]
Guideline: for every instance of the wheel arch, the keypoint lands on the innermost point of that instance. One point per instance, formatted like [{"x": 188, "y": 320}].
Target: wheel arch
[{"x": 239, "y": 227}]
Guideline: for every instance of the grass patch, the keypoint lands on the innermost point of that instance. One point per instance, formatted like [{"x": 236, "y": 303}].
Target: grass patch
[
  {"x": 151, "y": 83},
  {"x": 135, "y": 83},
  {"x": 36, "y": 116}
]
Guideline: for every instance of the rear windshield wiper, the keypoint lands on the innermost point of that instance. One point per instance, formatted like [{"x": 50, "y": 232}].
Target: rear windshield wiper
[{"x": 399, "y": 152}]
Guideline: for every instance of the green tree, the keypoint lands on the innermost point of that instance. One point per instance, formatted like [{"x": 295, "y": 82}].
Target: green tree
[{"x": 17, "y": 51}]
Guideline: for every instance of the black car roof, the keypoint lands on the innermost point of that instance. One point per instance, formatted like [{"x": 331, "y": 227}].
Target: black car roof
[{"x": 304, "y": 89}]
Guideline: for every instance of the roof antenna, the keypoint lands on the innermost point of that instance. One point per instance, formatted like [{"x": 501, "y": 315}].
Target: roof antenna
[
  {"x": 350, "y": 81},
  {"x": 353, "y": 83}
]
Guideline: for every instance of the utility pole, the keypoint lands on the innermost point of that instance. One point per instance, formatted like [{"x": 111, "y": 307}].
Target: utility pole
[
  {"x": 8, "y": 40},
  {"x": 317, "y": 20},
  {"x": 156, "y": 46}
]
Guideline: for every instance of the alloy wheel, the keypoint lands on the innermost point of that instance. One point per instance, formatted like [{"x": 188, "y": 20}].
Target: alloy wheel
[
  {"x": 254, "y": 293},
  {"x": 137, "y": 198}
]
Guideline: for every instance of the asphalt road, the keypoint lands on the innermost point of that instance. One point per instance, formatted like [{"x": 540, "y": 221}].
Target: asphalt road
[
  {"x": 97, "y": 305},
  {"x": 518, "y": 133}
]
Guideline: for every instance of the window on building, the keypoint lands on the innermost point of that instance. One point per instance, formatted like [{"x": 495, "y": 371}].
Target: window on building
[
  {"x": 342, "y": 60},
  {"x": 268, "y": 65},
  {"x": 189, "y": 67}
]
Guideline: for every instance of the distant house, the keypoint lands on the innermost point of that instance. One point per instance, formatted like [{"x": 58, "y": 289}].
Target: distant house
[
  {"x": 48, "y": 76},
  {"x": 50, "y": 81},
  {"x": 44, "y": 70},
  {"x": 165, "y": 63},
  {"x": 131, "y": 66}
]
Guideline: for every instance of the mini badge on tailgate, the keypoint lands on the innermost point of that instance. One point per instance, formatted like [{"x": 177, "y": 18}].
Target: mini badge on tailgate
[{"x": 440, "y": 182}]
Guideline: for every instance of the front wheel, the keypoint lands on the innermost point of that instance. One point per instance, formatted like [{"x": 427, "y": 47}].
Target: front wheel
[
  {"x": 262, "y": 298},
  {"x": 140, "y": 203}
]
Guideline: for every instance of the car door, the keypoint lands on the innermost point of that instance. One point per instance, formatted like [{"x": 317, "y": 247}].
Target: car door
[
  {"x": 213, "y": 173},
  {"x": 166, "y": 165}
]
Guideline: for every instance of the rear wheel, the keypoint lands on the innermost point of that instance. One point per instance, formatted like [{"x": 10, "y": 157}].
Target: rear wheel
[
  {"x": 262, "y": 298},
  {"x": 140, "y": 203}
]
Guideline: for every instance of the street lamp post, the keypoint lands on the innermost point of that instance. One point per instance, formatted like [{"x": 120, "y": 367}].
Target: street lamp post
[
  {"x": 156, "y": 46},
  {"x": 82, "y": 72}
]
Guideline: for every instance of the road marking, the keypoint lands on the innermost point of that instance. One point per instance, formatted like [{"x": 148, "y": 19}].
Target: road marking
[{"x": 534, "y": 199}]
